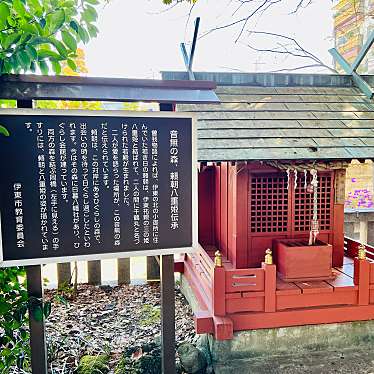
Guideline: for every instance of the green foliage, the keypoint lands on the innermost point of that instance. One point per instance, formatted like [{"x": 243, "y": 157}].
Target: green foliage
[
  {"x": 150, "y": 315},
  {"x": 93, "y": 365},
  {"x": 44, "y": 33},
  {"x": 15, "y": 306},
  {"x": 8, "y": 104},
  {"x": 14, "y": 336}
]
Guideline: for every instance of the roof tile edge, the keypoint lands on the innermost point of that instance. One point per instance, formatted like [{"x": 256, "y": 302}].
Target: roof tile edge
[{"x": 269, "y": 79}]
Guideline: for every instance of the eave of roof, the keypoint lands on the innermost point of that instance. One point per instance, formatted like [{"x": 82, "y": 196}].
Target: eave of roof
[{"x": 284, "y": 117}]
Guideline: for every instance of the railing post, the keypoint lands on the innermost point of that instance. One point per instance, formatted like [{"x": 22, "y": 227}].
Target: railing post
[
  {"x": 219, "y": 287},
  {"x": 63, "y": 274},
  {"x": 270, "y": 282},
  {"x": 362, "y": 276},
  {"x": 123, "y": 270},
  {"x": 153, "y": 269},
  {"x": 94, "y": 272}
]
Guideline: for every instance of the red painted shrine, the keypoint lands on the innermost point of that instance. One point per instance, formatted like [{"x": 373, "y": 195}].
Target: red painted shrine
[{"x": 271, "y": 186}]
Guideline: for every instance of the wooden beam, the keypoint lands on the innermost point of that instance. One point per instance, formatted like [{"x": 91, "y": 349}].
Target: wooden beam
[
  {"x": 360, "y": 83},
  {"x": 363, "y": 52}
]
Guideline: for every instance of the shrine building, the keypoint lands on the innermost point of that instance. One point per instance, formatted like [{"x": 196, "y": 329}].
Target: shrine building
[{"x": 271, "y": 191}]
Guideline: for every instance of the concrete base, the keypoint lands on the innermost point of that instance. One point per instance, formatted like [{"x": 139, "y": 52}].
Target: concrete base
[{"x": 330, "y": 348}]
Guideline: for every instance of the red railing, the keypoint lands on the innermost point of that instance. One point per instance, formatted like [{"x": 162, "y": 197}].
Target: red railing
[
  {"x": 351, "y": 248},
  {"x": 240, "y": 280}
]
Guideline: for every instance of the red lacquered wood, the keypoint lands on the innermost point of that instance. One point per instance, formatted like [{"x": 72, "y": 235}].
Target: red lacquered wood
[
  {"x": 352, "y": 246},
  {"x": 241, "y": 215},
  {"x": 362, "y": 279},
  {"x": 269, "y": 203},
  {"x": 203, "y": 322},
  {"x": 338, "y": 236},
  {"x": 296, "y": 260},
  {"x": 241, "y": 280},
  {"x": 224, "y": 209},
  {"x": 206, "y": 207},
  {"x": 234, "y": 295},
  {"x": 245, "y": 304},
  {"x": 194, "y": 280},
  {"x": 219, "y": 291},
  {"x": 287, "y": 288},
  {"x": 217, "y": 205},
  {"x": 270, "y": 287},
  {"x": 179, "y": 266},
  {"x": 308, "y": 300},
  {"x": 253, "y": 294},
  {"x": 231, "y": 220},
  {"x": 314, "y": 287},
  {"x": 341, "y": 282},
  {"x": 372, "y": 272},
  {"x": 371, "y": 293},
  {"x": 313, "y": 316},
  {"x": 223, "y": 328}
]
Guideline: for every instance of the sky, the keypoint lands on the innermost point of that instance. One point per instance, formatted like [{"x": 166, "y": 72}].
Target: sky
[{"x": 140, "y": 38}]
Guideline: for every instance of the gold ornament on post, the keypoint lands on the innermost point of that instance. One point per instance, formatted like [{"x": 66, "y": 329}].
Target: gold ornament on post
[
  {"x": 269, "y": 257},
  {"x": 218, "y": 259},
  {"x": 361, "y": 252}
]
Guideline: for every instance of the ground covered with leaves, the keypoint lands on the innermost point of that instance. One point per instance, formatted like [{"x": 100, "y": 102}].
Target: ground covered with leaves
[{"x": 108, "y": 322}]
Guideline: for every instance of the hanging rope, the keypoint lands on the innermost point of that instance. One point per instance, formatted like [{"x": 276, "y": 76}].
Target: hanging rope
[{"x": 314, "y": 227}]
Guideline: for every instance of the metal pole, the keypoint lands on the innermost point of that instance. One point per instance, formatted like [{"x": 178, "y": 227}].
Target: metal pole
[
  {"x": 167, "y": 300},
  {"x": 35, "y": 289},
  {"x": 193, "y": 46},
  {"x": 168, "y": 314}
]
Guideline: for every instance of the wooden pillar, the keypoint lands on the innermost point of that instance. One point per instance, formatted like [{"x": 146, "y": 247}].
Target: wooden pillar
[
  {"x": 219, "y": 292},
  {"x": 168, "y": 314},
  {"x": 362, "y": 279},
  {"x": 338, "y": 222},
  {"x": 94, "y": 272},
  {"x": 37, "y": 327},
  {"x": 270, "y": 286},
  {"x": 63, "y": 274},
  {"x": 123, "y": 270},
  {"x": 153, "y": 269}
]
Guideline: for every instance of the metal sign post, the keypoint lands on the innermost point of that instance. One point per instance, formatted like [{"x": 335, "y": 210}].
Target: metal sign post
[{"x": 35, "y": 289}]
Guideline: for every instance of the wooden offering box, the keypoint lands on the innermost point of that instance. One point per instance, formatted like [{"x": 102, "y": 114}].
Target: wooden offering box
[{"x": 298, "y": 261}]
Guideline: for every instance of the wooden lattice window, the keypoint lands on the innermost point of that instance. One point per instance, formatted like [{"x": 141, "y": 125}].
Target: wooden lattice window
[
  {"x": 268, "y": 203},
  {"x": 304, "y": 204}
]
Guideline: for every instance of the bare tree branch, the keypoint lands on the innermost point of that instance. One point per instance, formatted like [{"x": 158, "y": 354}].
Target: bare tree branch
[
  {"x": 296, "y": 68},
  {"x": 258, "y": 10},
  {"x": 291, "y": 48},
  {"x": 188, "y": 18},
  {"x": 301, "y": 4}
]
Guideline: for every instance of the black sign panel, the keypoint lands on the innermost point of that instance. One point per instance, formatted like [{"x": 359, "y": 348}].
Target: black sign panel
[{"x": 95, "y": 185}]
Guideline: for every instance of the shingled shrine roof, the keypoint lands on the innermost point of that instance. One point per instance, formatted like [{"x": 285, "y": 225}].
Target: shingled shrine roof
[{"x": 283, "y": 117}]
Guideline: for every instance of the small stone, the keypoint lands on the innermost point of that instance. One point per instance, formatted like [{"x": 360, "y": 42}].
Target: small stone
[{"x": 192, "y": 360}]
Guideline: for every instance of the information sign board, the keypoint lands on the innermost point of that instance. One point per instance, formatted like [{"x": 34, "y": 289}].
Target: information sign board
[{"x": 84, "y": 185}]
